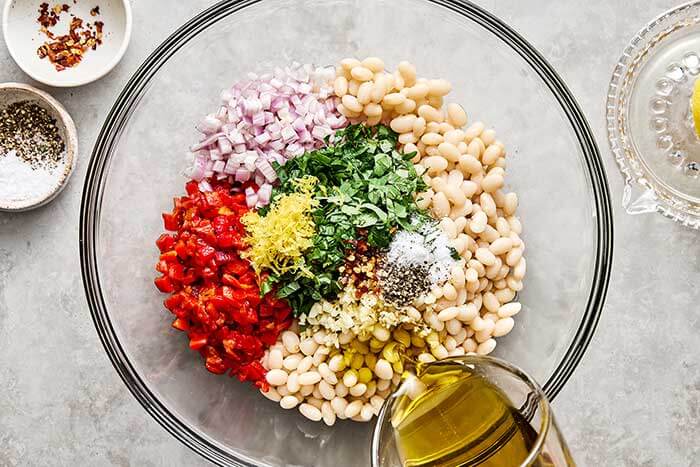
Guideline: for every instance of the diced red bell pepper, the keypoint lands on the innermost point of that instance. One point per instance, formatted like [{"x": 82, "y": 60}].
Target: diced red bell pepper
[
  {"x": 170, "y": 222},
  {"x": 215, "y": 295},
  {"x": 164, "y": 284}
]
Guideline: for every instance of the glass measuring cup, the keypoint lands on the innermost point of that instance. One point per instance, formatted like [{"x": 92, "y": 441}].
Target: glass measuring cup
[{"x": 486, "y": 385}]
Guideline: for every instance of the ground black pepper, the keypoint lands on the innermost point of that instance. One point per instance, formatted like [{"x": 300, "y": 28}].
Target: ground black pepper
[
  {"x": 401, "y": 284},
  {"x": 32, "y": 133}
]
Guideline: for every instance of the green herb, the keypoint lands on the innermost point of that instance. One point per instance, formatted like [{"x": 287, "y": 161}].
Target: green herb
[{"x": 365, "y": 192}]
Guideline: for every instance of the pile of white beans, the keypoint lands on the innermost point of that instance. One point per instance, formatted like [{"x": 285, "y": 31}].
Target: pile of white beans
[{"x": 464, "y": 166}]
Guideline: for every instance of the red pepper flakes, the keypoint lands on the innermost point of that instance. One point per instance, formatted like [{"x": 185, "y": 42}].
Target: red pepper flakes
[
  {"x": 215, "y": 295},
  {"x": 67, "y": 51}
]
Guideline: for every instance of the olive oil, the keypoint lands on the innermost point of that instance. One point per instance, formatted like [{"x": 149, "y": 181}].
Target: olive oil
[{"x": 450, "y": 416}]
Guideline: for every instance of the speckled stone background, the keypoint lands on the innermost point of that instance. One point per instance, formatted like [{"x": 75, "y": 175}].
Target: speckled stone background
[{"x": 633, "y": 401}]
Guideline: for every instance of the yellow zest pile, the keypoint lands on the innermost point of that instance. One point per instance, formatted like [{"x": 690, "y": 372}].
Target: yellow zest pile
[{"x": 278, "y": 241}]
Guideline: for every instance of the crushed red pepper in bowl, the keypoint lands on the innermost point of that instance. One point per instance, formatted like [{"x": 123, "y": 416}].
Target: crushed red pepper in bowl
[
  {"x": 215, "y": 294},
  {"x": 65, "y": 51}
]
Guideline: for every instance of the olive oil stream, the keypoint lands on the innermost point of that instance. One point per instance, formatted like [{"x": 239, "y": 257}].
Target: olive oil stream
[{"x": 460, "y": 419}]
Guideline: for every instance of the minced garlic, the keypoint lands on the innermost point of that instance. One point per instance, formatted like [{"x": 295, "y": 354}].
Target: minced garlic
[{"x": 359, "y": 316}]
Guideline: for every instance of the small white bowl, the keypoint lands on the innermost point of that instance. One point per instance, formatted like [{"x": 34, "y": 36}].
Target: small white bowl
[
  {"x": 23, "y": 38},
  {"x": 15, "y": 92}
]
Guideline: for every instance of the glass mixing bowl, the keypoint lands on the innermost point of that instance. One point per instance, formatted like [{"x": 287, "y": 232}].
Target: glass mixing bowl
[{"x": 135, "y": 171}]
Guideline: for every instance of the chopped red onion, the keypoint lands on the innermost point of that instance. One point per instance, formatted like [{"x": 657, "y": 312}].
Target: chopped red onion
[
  {"x": 268, "y": 118},
  {"x": 242, "y": 175},
  {"x": 205, "y": 186}
]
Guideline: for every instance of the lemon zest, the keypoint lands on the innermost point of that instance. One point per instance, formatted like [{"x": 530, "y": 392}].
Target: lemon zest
[{"x": 279, "y": 239}]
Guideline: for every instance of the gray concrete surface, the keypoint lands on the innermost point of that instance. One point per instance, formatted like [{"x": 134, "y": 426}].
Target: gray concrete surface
[{"x": 633, "y": 401}]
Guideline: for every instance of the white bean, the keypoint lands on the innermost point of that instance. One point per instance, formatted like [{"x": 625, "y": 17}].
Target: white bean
[
  {"x": 449, "y": 292},
  {"x": 449, "y": 151},
  {"x": 326, "y": 373},
  {"x": 408, "y": 73},
  {"x": 515, "y": 225},
  {"x": 383, "y": 369},
  {"x": 491, "y": 154},
  {"x": 503, "y": 327},
  {"x": 474, "y": 130},
  {"x": 469, "y": 164},
  {"x": 456, "y": 115},
  {"x": 276, "y": 377},
  {"x": 430, "y": 113},
  {"x": 341, "y": 390},
  {"x": 434, "y": 164},
  {"x": 491, "y": 303},
  {"x": 291, "y": 362},
  {"x": 275, "y": 359},
  {"x": 353, "y": 408},
  {"x": 308, "y": 346},
  {"x": 486, "y": 347},
  {"x": 449, "y": 227},
  {"x": 509, "y": 309},
  {"x": 272, "y": 394},
  {"x": 513, "y": 256},
  {"x": 339, "y": 405},
  {"x": 448, "y": 313},
  {"x": 351, "y": 103},
  {"x": 310, "y": 377},
  {"x": 358, "y": 390},
  {"x": 511, "y": 204},
  {"x": 306, "y": 390},
  {"x": 336, "y": 363},
  {"x": 293, "y": 382},
  {"x": 374, "y": 64},
  {"x": 403, "y": 124},
  {"x": 310, "y": 412},
  {"x": 393, "y": 99},
  {"x": 453, "y": 326},
  {"x": 305, "y": 364},
  {"x": 514, "y": 284},
  {"x": 505, "y": 295},
  {"x": 489, "y": 137},
  {"x": 327, "y": 391},
  {"x": 360, "y": 73},
  {"x": 441, "y": 206},
  {"x": 289, "y": 402},
  {"x": 487, "y": 204},
  {"x": 501, "y": 246},
  {"x": 476, "y": 148},
  {"x": 486, "y": 334},
  {"x": 467, "y": 313},
  {"x": 485, "y": 257},
  {"x": 328, "y": 414},
  {"x": 439, "y": 87},
  {"x": 489, "y": 234},
  {"x": 291, "y": 341},
  {"x": 350, "y": 378},
  {"x": 340, "y": 86},
  {"x": 440, "y": 352},
  {"x": 491, "y": 183}
]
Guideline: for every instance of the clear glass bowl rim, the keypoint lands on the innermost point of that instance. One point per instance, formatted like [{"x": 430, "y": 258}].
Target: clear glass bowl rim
[{"x": 98, "y": 168}]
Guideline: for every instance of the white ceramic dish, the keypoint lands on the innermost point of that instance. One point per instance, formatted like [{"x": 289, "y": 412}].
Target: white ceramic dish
[
  {"x": 15, "y": 92},
  {"x": 23, "y": 37}
]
